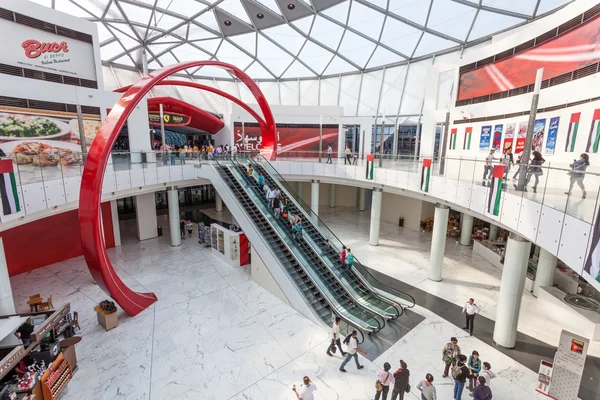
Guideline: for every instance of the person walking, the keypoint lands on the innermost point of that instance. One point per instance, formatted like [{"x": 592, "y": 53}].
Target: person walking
[
  {"x": 535, "y": 169},
  {"x": 578, "y": 173},
  {"x": 349, "y": 259},
  {"x": 482, "y": 392},
  {"x": 384, "y": 377},
  {"x": 190, "y": 228},
  {"x": 507, "y": 161},
  {"x": 489, "y": 164},
  {"x": 460, "y": 373},
  {"x": 471, "y": 310},
  {"x": 427, "y": 389},
  {"x": 519, "y": 158},
  {"x": 277, "y": 206},
  {"x": 347, "y": 155},
  {"x": 329, "y": 151},
  {"x": 351, "y": 343},
  {"x": 182, "y": 155},
  {"x": 355, "y": 160},
  {"x": 401, "y": 382},
  {"x": 487, "y": 374},
  {"x": 474, "y": 365},
  {"x": 298, "y": 230},
  {"x": 261, "y": 180},
  {"x": 343, "y": 254},
  {"x": 336, "y": 340},
  {"x": 182, "y": 228},
  {"x": 306, "y": 390},
  {"x": 450, "y": 354}
]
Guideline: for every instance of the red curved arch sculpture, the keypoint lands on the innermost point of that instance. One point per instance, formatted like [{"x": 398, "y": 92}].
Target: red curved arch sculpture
[{"x": 92, "y": 238}]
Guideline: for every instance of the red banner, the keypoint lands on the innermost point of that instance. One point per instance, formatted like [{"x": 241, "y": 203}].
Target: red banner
[
  {"x": 573, "y": 50},
  {"x": 521, "y": 137},
  {"x": 509, "y": 137}
]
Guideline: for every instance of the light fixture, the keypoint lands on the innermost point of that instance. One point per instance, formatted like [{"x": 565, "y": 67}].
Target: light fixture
[
  {"x": 227, "y": 22},
  {"x": 260, "y": 15},
  {"x": 291, "y": 6}
]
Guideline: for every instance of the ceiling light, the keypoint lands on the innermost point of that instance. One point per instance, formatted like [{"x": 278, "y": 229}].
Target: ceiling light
[
  {"x": 227, "y": 22},
  {"x": 291, "y": 6},
  {"x": 260, "y": 15}
]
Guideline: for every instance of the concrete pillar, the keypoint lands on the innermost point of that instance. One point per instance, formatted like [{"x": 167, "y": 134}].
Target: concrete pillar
[
  {"x": 314, "y": 198},
  {"x": 299, "y": 188},
  {"x": 218, "y": 202},
  {"x": 511, "y": 290},
  {"x": 467, "y": 229},
  {"x": 332, "y": 196},
  {"x": 493, "y": 232},
  {"x": 375, "y": 216},
  {"x": 438, "y": 242},
  {"x": 546, "y": 271},
  {"x": 145, "y": 209},
  {"x": 114, "y": 212},
  {"x": 362, "y": 199},
  {"x": 7, "y": 304},
  {"x": 173, "y": 201}
]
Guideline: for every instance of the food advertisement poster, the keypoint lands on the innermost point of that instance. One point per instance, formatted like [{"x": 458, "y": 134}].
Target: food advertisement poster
[
  {"x": 539, "y": 128},
  {"x": 294, "y": 140},
  {"x": 497, "y": 137},
  {"x": 486, "y": 136},
  {"x": 521, "y": 138},
  {"x": 552, "y": 134},
  {"x": 509, "y": 136},
  {"x": 544, "y": 377}
]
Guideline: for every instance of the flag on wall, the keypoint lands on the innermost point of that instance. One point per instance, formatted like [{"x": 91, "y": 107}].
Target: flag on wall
[
  {"x": 370, "y": 166},
  {"x": 425, "y": 174},
  {"x": 572, "y": 133},
  {"x": 495, "y": 196},
  {"x": 8, "y": 188},
  {"x": 453, "y": 139},
  {"x": 467, "y": 142},
  {"x": 594, "y": 139}
]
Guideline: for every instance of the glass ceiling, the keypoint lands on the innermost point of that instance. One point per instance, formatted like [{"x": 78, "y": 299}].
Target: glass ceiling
[{"x": 289, "y": 39}]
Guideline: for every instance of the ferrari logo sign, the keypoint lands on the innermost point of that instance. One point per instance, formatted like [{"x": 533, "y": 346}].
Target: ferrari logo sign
[
  {"x": 170, "y": 119},
  {"x": 166, "y": 117}
]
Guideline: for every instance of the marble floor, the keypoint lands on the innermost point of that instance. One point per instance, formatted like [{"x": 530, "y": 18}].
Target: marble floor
[{"x": 215, "y": 334}]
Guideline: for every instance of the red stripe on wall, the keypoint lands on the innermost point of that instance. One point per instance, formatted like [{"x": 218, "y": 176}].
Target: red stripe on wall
[{"x": 244, "y": 258}]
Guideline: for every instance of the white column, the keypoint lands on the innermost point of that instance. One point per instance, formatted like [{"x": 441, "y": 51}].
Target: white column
[
  {"x": 218, "y": 203},
  {"x": 438, "y": 242},
  {"x": 173, "y": 201},
  {"x": 139, "y": 132},
  {"x": 362, "y": 199},
  {"x": 299, "y": 189},
  {"x": 546, "y": 271},
  {"x": 493, "y": 232},
  {"x": 511, "y": 290},
  {"x": 145, "y": 208},
  {"x": 331, "y": 195},
  {"x": 7, "y": 304},
  {"x": 375, "y": 217},
  {"x": 114, "y": 212},
  {"x": 314, "y": 198},
  {"x": 467, "y": 229}
]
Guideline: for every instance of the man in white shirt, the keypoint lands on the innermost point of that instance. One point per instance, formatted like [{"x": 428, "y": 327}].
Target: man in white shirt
[
  {"x": 489, "y": 164},
  {"x": 329, "y": 151},
  {"x": 471, "y": 309},
  {"x": 335, "y": 340},
  {"x": 271, "y": 196},
  {"x": 353, "y": 351},
  {"x": 306, "y": 390}
]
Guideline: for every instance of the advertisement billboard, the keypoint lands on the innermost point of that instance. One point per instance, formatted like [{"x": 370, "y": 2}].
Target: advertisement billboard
[
  {"x": 509, "y": 136},
  {"x": 521, "y": 138},
  {"x": 552, "y": 133},
  {"x": 45, "y": 51},
  {"x": 497, "y": 141},
  {"x": 539, "y": 129},
  {"x": 485, "y": 138}
]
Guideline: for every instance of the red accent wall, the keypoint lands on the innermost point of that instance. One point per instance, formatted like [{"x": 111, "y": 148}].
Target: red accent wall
[
  {"x": 49, "y": 240},
  {"x": 244, "y": 255}
]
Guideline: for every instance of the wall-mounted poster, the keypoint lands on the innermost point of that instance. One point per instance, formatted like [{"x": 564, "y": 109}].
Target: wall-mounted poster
[
  {"x": 539, "y": 128},
  {"x": 453, "y": 139},
  {"x": 594, "y": 139},
  {"x": 213, "y": 238},
  {"x": 521, "y": 138},
  {"x": 486, "y": 137},
  {"x": 572, "y": 133},
  {"x": 509, "y": 136},
  {"x": 497, "y": 137},
  {"x": 467, "y": 141},
  {"x": 552, "y": 133}
]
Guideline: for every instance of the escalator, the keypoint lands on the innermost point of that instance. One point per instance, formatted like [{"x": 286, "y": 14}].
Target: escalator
[{"x": 323, "y": 292}]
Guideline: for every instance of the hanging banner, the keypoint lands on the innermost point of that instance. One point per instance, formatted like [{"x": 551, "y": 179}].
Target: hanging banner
[
  {"x": 539, "y": 129},
  {"x": 495, "y": 196},
  {"x": 594, "y": 138},
  {"x": 509, "y": 137},
  {"x": 370, "y": 166},
  {"x": 497, "y": 137},
  {"x": 453, "y": 139},
  {"x": 572, "y": 133},
  {"x": 467, "y": 142},
  {"x": 544, "y": 377},
  {"x": 521, "y": 138},
  {"x": 486, "y": 137},
  {"x": 552, "y": 133},
  {"x": 425, "y": 174}
]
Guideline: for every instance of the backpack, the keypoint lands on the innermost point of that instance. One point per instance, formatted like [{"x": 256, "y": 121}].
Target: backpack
[
  {"x": 347, "y": 339},
  {"x": 456, "y": 371}
]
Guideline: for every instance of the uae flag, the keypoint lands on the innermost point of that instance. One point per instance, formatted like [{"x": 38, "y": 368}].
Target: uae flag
[
  {"x": 370, "y": 166},
  {"x": 572, "y": 134},
  {"x": 425, "y": 174},
  {"x": 8, "y": 188},
  {"x": 453, "y": 139},
  {"x": 467, "y": 141},
  {"x": 594, "y": 139},
  {"x": 496, "y": 190}
]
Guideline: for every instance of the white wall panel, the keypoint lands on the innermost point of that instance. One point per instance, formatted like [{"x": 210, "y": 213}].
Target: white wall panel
[
  {"x": 151, "y": 175},
  {"x": 282, "y": 167},
  {"x": 574, "y": 242},
  {"x": 307, "y": 168},
  {"x": 463, "y": 194},
  {"x": 391, "y": 177},
  {"x": 549, "y": 229},
  {"x": 402, "y": 180},
  {"x": 391, "y": 91},
  {"x": 189, "y": 172},
  {"x": 353, "y": 172},
  {"x": 380, "y": 175},
  {"x": 529, "y": 219},
  {"x": 55, "y": 192},
  {"x": 163, "y": 174},
  {"x": 450, "y": 188},
  {"x": 34, "y": 198},
  {"x": 340, "y": 171},
  {"x": 436, "y": 186},
  {"x": 369, "y": 96},
  {"x": 296, "y": 168},
  {"x": 123, "y": 180},
  {"x": 349, "y": 93},
  {"x": 72, "y": 185},
  {"x": 270, "y": 90},
  {"x": 414, "y": 182},
  {"x": 319, "y": 168},
  {"x": 329, "y": 92},
  {"x": 309, "y": 93},
  {"x": 175, "y": 173},
  {"x": 415, "y": 89},
  {"x": 137, "y": 177},
  {"x": 478, "y": 198},
  {"x": 511, "y": 210},
  {"x": 289, "y": 93},
  {"x": 109, "y": 184}
]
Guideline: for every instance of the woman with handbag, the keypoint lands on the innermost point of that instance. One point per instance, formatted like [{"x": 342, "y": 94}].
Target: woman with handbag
[
  {"x": 578, "y": 173},
  {"x": 382, "y": 384},
  {"x": 535, "y": 169}
]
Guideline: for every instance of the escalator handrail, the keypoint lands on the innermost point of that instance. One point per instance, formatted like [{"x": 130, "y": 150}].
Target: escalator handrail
[
  {"x": 334, "y": 310},
  {"x": 302, "y": 206}
]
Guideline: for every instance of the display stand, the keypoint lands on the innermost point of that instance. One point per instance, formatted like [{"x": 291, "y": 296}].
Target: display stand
[
  {"x": 107, "y": 320},
  {"x": 229, "y": 246},
  {"x": 54, "y": 382}
]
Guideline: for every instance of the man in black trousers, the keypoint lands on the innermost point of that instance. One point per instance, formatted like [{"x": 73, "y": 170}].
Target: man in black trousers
[{"x": 471, "y": 310}]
